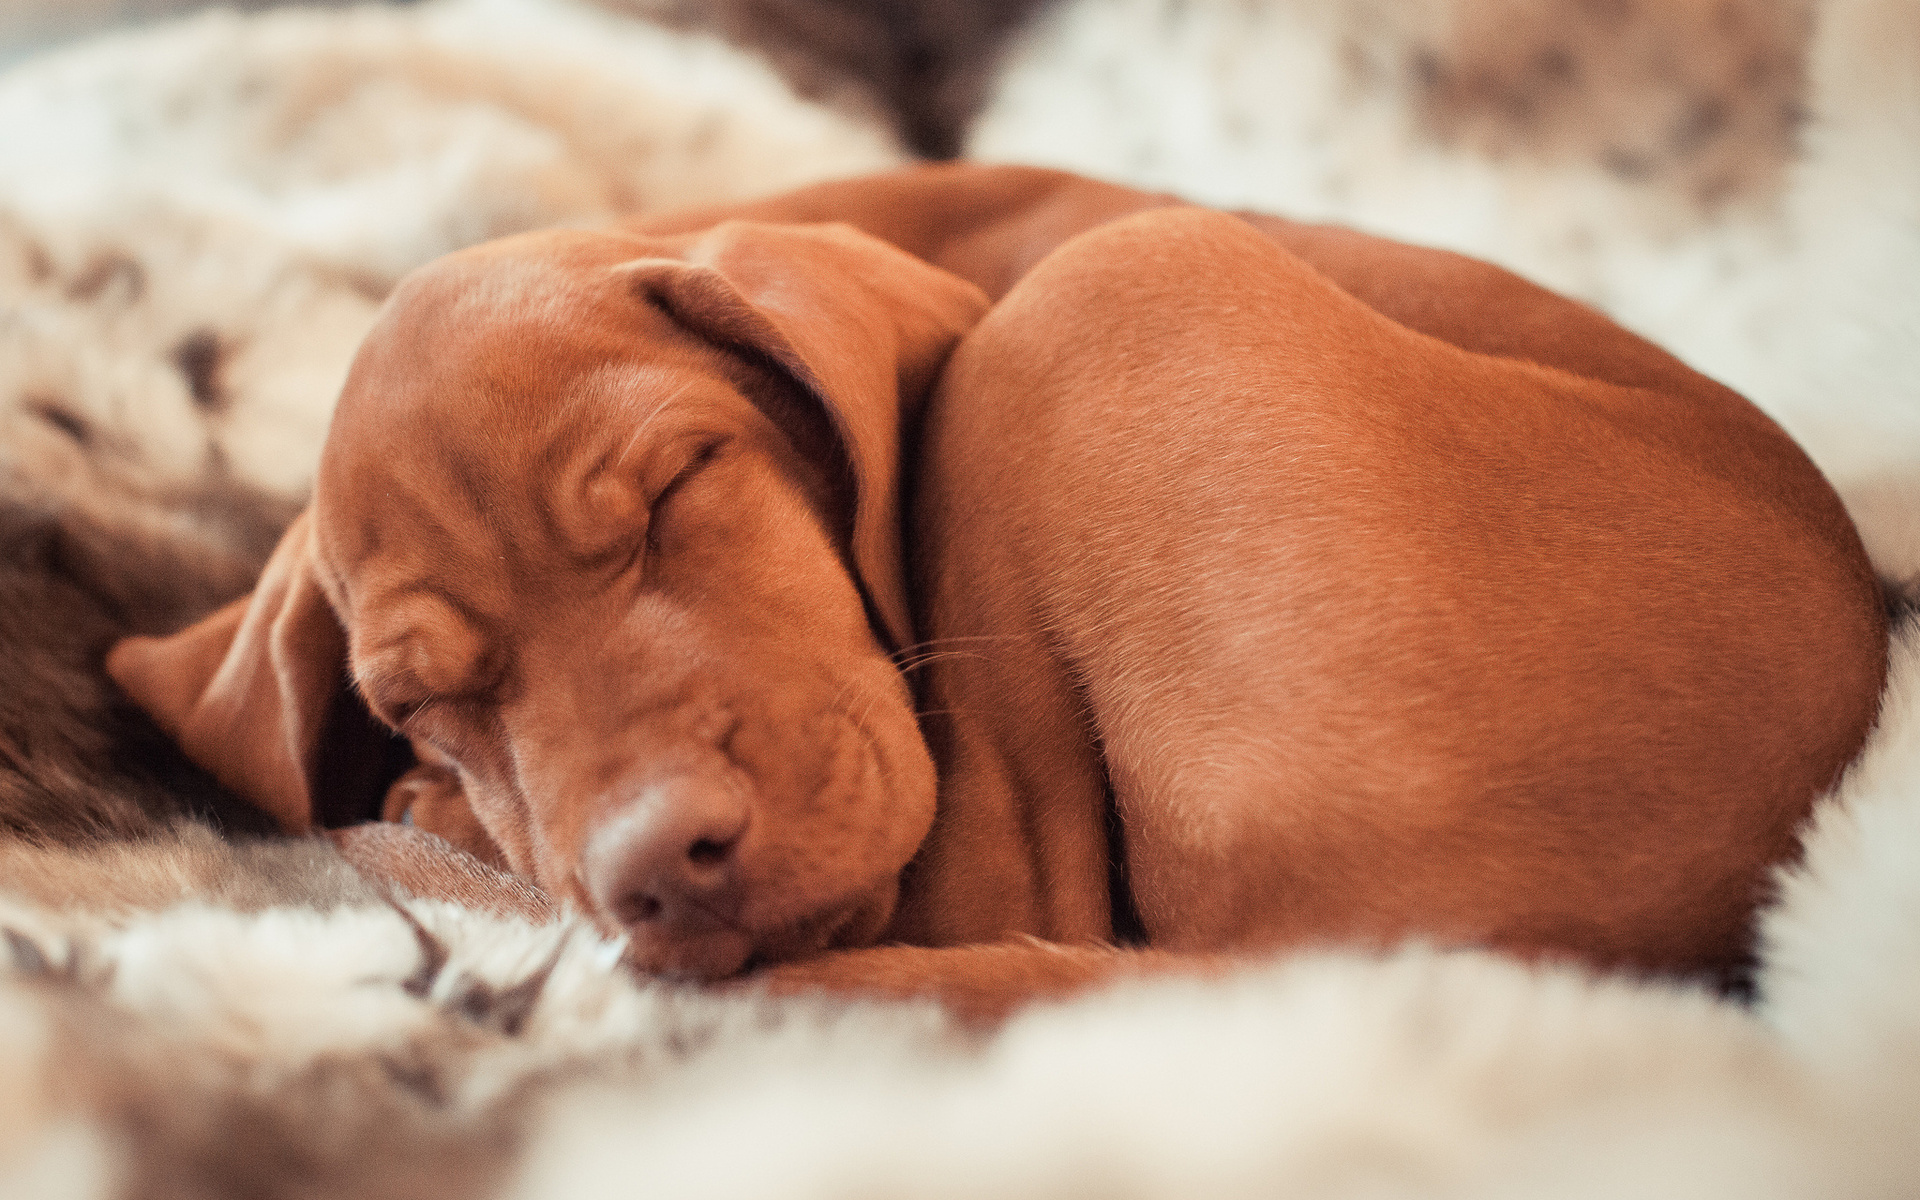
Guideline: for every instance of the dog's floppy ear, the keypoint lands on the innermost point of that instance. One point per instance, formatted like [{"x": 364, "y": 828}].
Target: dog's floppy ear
[
  {"x": 257, "y": 695},
  {"x": 862, "y": 326}
]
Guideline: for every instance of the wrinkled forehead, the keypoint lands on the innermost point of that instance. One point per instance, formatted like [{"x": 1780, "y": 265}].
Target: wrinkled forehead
[
  {"x": 492, "y": 379},
  {"x": 481, "y": 334}
]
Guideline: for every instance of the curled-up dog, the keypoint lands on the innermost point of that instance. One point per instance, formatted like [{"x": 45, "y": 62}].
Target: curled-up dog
[{"x": 909, "y": 583}]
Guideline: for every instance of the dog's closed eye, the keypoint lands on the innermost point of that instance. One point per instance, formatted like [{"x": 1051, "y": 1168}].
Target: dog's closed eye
[
  {"x": 659, "y": 510},
  {"x": 401, "y": 714},
  {"x": 701, "y": 458},
  {"x": 445, "y": 731},
  {"x": 422, "y": 649}
]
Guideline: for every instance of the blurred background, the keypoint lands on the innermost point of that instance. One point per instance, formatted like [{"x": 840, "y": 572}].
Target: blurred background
[
  {"x": 30, "y": 25},
  {"x": 921, "y": 62},
  {"x": 1737, "y": 179}
]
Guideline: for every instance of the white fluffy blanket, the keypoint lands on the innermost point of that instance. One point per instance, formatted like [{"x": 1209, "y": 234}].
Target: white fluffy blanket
[{"x": 270, "y": 175}]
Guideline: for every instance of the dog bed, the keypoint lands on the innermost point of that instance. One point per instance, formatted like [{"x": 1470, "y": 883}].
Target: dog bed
[{"x": 196, "y": 223}]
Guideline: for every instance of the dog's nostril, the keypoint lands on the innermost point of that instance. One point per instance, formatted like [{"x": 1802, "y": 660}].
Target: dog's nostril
[{"x": 669, "y": 861}]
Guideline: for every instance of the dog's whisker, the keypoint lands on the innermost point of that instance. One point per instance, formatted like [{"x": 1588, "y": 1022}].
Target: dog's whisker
[
  {"x": 941, "y": 643},
  {"x": 838, "y": 703},
  {"x": 414, "y": 714},
  {"x": 647, "y": 421},
  {"x": 866, "y": 710},
  {"x": 942, "y": 656}
]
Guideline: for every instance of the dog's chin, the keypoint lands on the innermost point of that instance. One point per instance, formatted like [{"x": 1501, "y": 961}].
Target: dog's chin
[
  {"x": 711, "y": 955},
  {"x": 867, "y": 919},
  {"x": 856, "y": 922},
  {"x": 716, "y": 954}
]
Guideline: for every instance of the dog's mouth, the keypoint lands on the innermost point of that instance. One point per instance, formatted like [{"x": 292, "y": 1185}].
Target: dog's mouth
[
  {"x": 722, "y": 952},
  {"x": 856, "y": 922},
  {"x": 703, "y": 958},
  {"x": 708, "y": 878}
]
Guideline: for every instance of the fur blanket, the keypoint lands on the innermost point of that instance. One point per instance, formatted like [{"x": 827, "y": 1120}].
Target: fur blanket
[{"x": 195, "y": 226}]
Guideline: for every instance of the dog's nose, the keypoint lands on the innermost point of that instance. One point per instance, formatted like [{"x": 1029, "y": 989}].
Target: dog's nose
[{"x": 667, "y": 863}]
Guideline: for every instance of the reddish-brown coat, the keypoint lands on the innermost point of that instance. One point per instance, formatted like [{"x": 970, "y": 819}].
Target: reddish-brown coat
[{"x": 1381, "y": 593}]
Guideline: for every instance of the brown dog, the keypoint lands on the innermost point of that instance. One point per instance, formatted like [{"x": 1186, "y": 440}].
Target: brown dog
[{"x": 1266, "y": 585}]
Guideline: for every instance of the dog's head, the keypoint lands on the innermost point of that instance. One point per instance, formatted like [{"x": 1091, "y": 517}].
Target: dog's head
[{"x": 608, "y": 528}]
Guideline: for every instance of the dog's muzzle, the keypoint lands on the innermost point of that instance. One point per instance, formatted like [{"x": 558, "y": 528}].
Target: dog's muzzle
[{"x": 665, "y": 869}]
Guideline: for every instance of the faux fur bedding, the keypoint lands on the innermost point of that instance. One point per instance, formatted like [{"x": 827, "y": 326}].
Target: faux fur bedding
[{"x": 195, "y": 226}]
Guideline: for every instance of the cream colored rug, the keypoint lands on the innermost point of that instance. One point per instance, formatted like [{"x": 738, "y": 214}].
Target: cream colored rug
[{"x": 195, "y": 226}]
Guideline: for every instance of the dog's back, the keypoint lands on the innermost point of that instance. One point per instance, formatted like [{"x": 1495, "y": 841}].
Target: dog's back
[{"x": 1375, "y": 636}]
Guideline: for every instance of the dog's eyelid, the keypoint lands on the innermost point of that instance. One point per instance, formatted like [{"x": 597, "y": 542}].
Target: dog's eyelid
[
  {"x": 405, "y": 714},
  {"x": 706, "y": 450},
  {"x": 393, "y": 692},
  {"x": 423, "y": 644},
  {"x": 394, "y": 704}
]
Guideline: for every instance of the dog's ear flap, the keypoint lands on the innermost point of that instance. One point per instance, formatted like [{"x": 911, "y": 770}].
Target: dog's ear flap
[
  {"x": 257, "y": 695},
  {"x": 861, "y": 325}
]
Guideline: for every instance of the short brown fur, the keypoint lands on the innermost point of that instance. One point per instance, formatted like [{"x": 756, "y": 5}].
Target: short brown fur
[{"x": 1346, "y": 591}]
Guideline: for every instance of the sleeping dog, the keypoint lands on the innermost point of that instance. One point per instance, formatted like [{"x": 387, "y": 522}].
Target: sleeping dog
[{"x": 911, "y": 577}]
